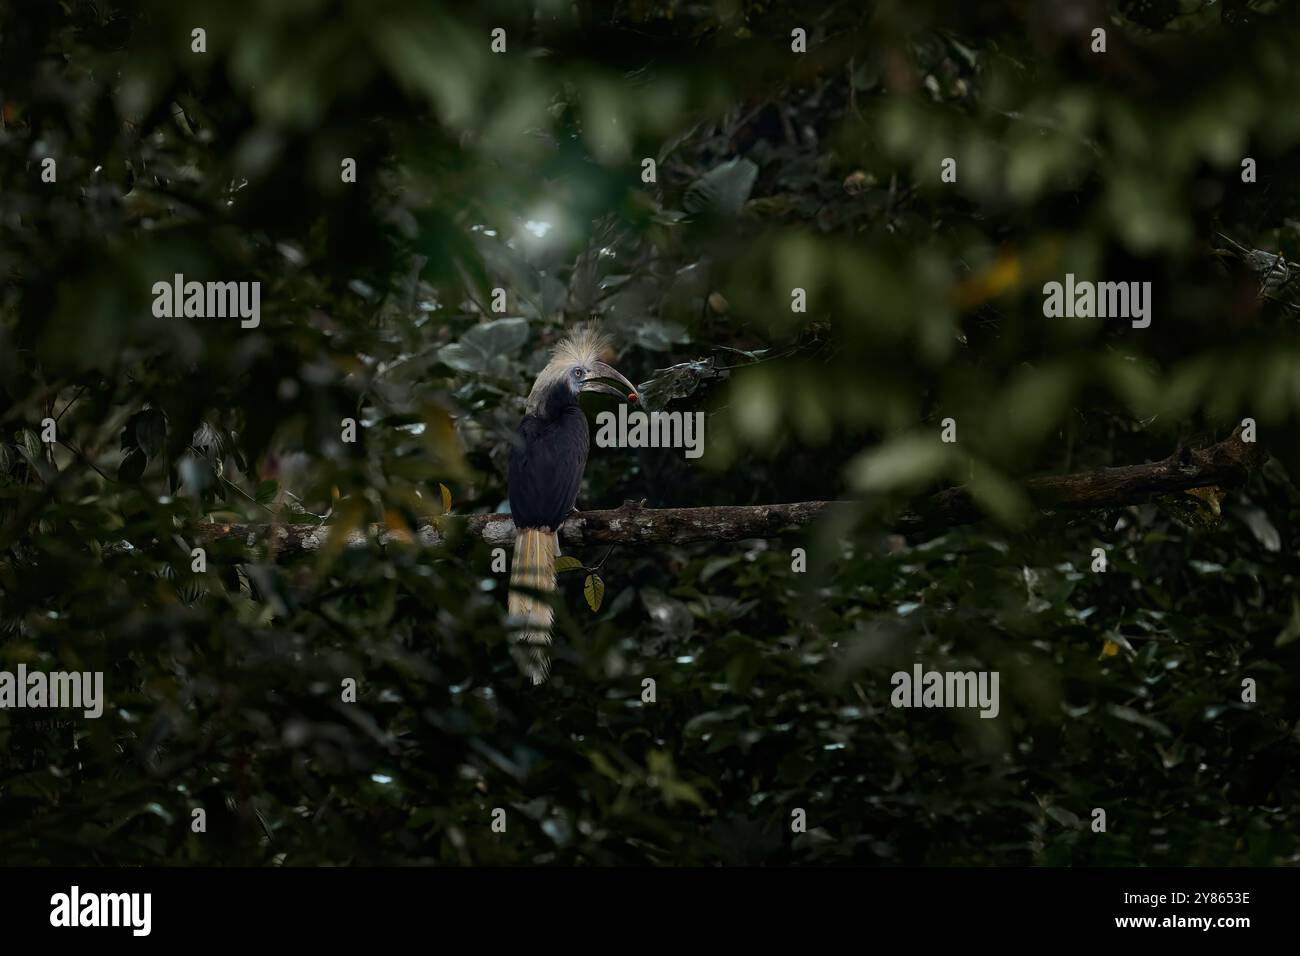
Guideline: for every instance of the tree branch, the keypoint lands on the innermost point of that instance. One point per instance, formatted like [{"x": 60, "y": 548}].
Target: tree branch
[{"x": 1227, "y": 463}]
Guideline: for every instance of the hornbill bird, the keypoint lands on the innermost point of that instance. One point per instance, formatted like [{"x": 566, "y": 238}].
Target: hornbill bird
[{"x": 547, "y": 460}]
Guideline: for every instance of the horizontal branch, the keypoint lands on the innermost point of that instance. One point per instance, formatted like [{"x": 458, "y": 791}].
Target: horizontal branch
[
  {"x": 629, "y": 524},
  {"x": 1226, "y": 464}
]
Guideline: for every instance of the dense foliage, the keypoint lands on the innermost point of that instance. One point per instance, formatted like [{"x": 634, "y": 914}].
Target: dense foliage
[{"x": 523, "y": 170}]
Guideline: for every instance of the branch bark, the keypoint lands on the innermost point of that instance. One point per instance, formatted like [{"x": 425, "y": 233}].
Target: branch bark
[{"x": 1226, "y": 464}]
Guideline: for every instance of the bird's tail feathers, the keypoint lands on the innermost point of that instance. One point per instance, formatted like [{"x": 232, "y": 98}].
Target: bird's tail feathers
[{"x": 534, "y": 572}]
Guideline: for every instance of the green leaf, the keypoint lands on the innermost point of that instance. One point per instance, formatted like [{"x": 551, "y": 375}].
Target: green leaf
[
  {"x": 866, "y": 76},
  {"x": 997, "y": 496},
  {"x": 1292, "y": 629},
  {"x": 905, "y": 462},
  {"x": 150, "y": 431},
  {"x": 485, "y": 347},
  {"x": 1133, "y": 717},
  {"x": 602, "y": 765},
  {"x": 723, "y": 189},
  {"x": 32, "y": 446},
  {"x": 446, "y": 498},
  {"x": 132, "y": 467},
  {"x": 266, "y": 491},
  {"x": 567, "y": 563},
  {"x": 1262, "y": 528},
  {"x": 1064, "y": 817},
  {"x": 594, "y": 591}
]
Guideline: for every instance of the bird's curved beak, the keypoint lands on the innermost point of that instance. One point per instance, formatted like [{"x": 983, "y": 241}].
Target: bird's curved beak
[{"x": 598, "y": 379}]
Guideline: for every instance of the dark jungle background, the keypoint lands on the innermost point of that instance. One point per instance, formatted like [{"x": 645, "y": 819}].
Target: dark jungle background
[{"x": 523, "y": 170}]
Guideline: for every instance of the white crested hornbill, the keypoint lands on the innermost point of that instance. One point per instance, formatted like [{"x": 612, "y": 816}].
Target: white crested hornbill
[{"x": 547, "y": 460}]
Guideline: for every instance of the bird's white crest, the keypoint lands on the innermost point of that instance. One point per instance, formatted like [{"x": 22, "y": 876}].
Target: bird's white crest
[{"x": 581, "y": 347}]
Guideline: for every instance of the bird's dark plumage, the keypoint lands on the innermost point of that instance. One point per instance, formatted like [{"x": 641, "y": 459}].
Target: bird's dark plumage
[
  {"x": 546, "y": 464},
  {"x": 547, "y": 460}
]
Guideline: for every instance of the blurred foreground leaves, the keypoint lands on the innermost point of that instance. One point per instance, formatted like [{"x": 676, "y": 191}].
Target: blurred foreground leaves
[{"x": 522, "y": 172}]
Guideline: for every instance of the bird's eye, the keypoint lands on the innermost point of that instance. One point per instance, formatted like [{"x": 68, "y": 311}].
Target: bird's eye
[{"x": 577, "y": 373}]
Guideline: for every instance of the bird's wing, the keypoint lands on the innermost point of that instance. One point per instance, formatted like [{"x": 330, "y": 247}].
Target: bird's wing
[{"x": 546, "y": 466}]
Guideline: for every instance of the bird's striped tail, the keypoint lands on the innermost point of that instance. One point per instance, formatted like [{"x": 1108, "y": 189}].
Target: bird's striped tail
[{"x": 533, "y": 570}]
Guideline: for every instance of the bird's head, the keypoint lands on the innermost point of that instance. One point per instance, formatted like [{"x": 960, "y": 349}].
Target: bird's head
[{"x": 578, "y": 366}]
